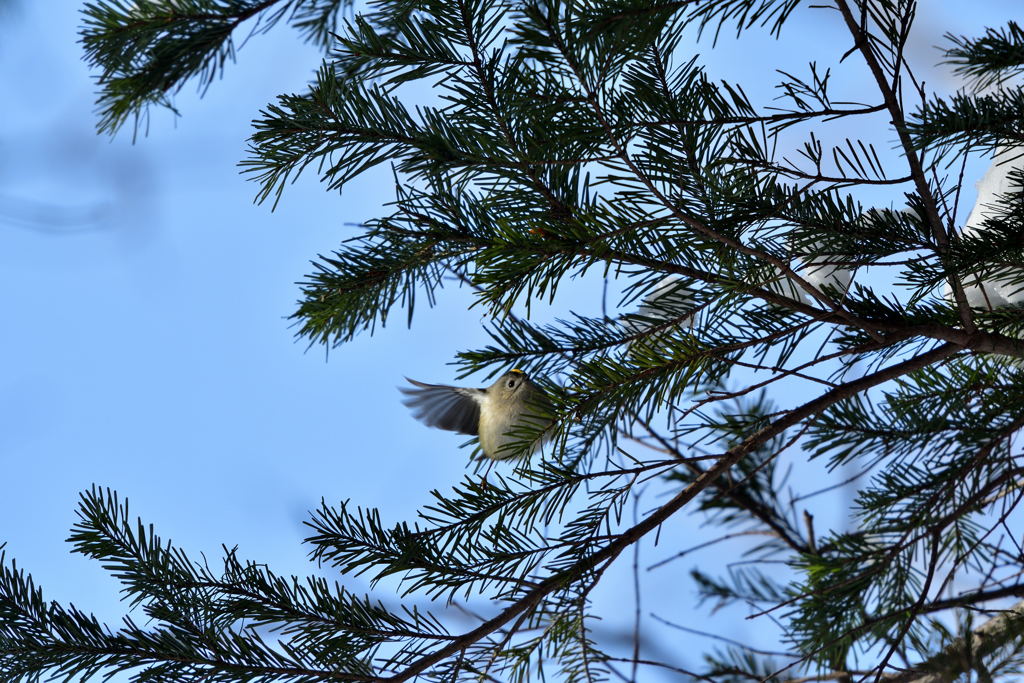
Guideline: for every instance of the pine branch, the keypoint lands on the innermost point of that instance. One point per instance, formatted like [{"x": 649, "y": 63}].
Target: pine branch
[
  {"x": 983, "y": 121},
  {"x": 659, "y": 516},
  {"x": 990, "y": 60},
  {"x": 576, "y": 140},
  {"x": 828, "y": 114},
  {"x": 917, "y": 172},
  {"x": 147, "y": 50},
  {"x": 960, "y": 655},
  {"x": 739, "y": 495}
]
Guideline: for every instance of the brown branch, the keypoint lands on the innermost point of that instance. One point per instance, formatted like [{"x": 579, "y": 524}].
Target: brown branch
[
  {"x": 829, "y": 113},
  {"x": 1015, "y": 591},
  {"x": 915, "y": 609},
  {"x": 958, "y": 656},
  {"x": 793, "y": 172},
  {"x": 758, "y": 510},
  {"x": 892, "y": 103}
]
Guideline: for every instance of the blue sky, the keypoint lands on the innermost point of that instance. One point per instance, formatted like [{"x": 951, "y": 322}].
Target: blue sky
[{"x": 146, "y": 346}]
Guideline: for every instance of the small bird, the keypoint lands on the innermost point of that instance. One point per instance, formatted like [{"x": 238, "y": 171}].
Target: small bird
[
  {"x": 670, "y": 299},
  {"x": 1003, "y": 286},
  {"x": 504, "y": 415}
]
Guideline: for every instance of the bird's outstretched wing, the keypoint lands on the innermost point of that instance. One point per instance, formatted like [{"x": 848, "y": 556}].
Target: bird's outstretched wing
[{"x": 456, "y": 409}]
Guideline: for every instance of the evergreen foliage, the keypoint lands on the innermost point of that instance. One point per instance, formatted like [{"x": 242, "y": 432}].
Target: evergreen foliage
[{"x": 585, "y": 139}]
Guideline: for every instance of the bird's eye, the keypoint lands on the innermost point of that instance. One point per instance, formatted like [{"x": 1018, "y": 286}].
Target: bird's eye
[{"x": 511, "y": 383}]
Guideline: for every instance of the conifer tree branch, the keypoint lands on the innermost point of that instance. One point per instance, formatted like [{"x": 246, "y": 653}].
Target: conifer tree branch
[
  {"x": 758, "y": 510},
  {"x": 827, "y": 113},
  {"x": 914, "y": 610},
  {"x": 698, "y": 226},
  {"x": 836, "y": 181},
  {"x": 862, "y": 43},
  {"x": 990, "y": 60},
  {"x": 895, "y": 329},
  {"x": 741, "y": 260},
  {"x": 959, "y": 656},
  {"x": 977, "y": 340},
  {"x": 728, "y": 459}
]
